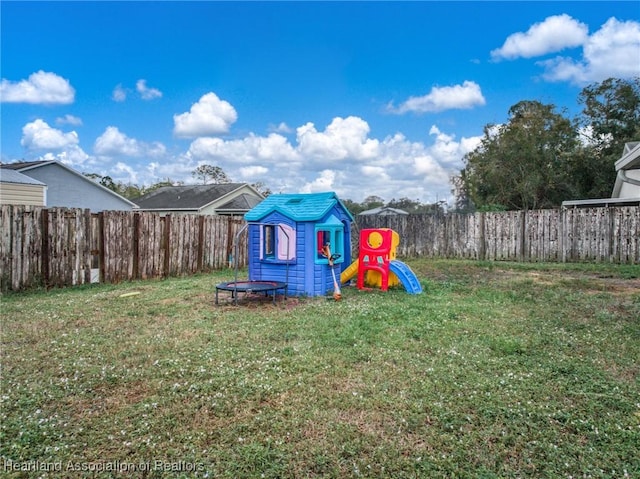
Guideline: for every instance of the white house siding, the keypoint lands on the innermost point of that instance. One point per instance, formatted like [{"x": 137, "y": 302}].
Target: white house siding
[
  {"x": 630, "y": 189},
  {"x": 22, "y": 194},
  {"x": 209, "y": 210},
  {"x": 72, "y": 190}
]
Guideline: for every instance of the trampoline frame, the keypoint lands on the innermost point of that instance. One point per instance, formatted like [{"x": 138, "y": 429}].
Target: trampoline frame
[
  {"x": 248, "y": 286},
  {"x": 236, "y": 287}
]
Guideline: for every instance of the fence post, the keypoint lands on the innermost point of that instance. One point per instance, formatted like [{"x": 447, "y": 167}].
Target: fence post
[
  {"x": 561, "y": 240},
  {"x": 522, "y": 256},
  {"x": 565, "y": 234},
  {"x": 166, "y": 237},
  {"x": 136, "y": 241},
  {"x": 482, "y": 250},
  {"x": 611, "y": 231},
  {"x": 101, "y": 247},
  {"x": 230, "y": 238},
  {"x": 199, "y": 258},
  {"x": 86, "y": 250},
  {"x": 16, "y": 248},
  {"x": 45, "y": 248}
]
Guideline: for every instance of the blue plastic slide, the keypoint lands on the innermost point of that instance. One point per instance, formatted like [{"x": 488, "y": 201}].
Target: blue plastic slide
[{"x": 407, "y": 277}]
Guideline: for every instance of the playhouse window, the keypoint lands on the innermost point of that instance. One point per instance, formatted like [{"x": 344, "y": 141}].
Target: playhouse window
[
  {"x": 278, "y": 243},
  {"x": 332, "y": 236},
  {"x": 269, "y": 242}
]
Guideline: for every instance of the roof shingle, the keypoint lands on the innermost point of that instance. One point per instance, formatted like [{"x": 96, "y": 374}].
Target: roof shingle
[
  {"x": 185, "y": 197},
  {"x": 298, "y": 207}
]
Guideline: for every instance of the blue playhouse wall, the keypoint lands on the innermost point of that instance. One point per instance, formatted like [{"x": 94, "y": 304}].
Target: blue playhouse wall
[{"x": 308, "y": 273}]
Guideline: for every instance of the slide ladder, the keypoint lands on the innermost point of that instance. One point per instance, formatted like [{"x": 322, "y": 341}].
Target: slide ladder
[{"x": 406, "y": 276}]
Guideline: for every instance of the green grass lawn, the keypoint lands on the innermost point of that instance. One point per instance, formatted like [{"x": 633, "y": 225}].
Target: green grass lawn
[{"x": 496, "y": 370}]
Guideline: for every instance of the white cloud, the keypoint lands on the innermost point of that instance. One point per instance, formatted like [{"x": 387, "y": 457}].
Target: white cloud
[
  {"x": 252, "y": 149},
  {"x": 612, "y": 51},
  {"x": 145, "y": 92},
  {"x": 374, "y": 172},
  {"x": 447, "y": 150},
  {"x": 552, "y": 35},
  {"x": 69, "y": 120},
  {"x": 119, "y": 94},
  {"x": 399, "y": 168},
  {"x": 52, "y": 144},
  {"x": 323, "y": 182},
  {"x": 426, "y": 165},
  {"x": 460, "y": 97},
  {"x": 281, "y": 128},
  {"x": 210, "y": 116},
  {"x": 343, "y": 138},
  {"x": 38, "y": 135},
  {"x": 341, "y": 157},
  {"x": 41, "y": 88},
  {"x": 152, "y": 167},
  {"x": 250, "y": 172},
  {"x": 126, "y": 173},
  {"x": 114, "y": 143},
  {"x": 283, "y": 166},
  {"x": 72, "y": 156}
]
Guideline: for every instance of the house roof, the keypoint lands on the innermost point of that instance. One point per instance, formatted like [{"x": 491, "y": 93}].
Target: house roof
[
  {"x": 243, "y": 202},
  {"x": 630, "y": 156},
  {"x": 26, "y": 166},
  {"x": 598, "y": 202},
  {"x": 298, "y": 207},
  {"x": 384, "y": 210},
  {"x": 8, "y": 175},
  {"x": 630, "y": 160},
  {"x": 193, "y": 197}
]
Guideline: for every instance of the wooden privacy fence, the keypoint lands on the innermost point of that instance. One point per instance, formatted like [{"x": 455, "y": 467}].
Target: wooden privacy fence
[
  {"x": 63, "y": 247},
  {"x": 607, "y": 234}
]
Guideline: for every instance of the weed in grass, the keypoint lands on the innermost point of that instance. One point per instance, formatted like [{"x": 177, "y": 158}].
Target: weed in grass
[{"x": 507, "y": 346}]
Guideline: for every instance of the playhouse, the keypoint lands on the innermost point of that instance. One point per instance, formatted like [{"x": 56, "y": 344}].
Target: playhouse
[{"x": 288, "y": 237}]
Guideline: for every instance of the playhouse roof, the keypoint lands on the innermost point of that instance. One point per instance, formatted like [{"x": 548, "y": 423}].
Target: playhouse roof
[{"x": 298, "y": 207}]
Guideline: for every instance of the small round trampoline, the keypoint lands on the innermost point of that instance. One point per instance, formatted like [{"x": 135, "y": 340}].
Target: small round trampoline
[{"x": 265, "y": 287}]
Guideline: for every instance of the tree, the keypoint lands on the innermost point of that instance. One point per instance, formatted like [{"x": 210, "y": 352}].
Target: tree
[
  {"x": 460, "y": 190},
  {"x": 210, "y": 174},
  {"x": 105, "y": 181},
  {"x": 405, "y": 204},
  {"x": 108, "y": 182},
  {"x": 610, "y": 118},
  {"x": 437, "y": 208},
  {"x": 261, "y": 188},
  {"x": 131, "y": 190},
  {"x": 612, "y": 113},
  {"x": 372, "y": 201},
  {"x": 523, "y": 164},
  {"x": 166, "y": 182},
  {"x": 353, "y": 207},
  {"x": 93, "y": 176}
]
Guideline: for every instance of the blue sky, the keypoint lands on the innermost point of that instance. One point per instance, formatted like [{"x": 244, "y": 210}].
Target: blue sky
[{"x": 361, "y": 98}]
